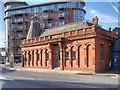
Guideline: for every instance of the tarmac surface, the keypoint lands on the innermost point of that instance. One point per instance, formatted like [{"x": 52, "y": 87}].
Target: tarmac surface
[
  {"x": 18, "y": 67},
  {"x": 18, "y": 77}
]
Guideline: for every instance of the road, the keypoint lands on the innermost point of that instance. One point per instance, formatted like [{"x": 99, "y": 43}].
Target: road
[{"x": 32, "y": 79}]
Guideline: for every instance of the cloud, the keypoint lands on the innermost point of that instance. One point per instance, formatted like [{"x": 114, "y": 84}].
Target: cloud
[
  {"x": 116, "y": 9},
  {"x": 103, "y": 17}
]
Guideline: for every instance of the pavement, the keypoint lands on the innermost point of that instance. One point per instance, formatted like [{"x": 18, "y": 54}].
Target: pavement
[{"x": 18, "y": 67}]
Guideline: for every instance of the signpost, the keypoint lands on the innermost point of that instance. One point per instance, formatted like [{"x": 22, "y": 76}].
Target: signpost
[{"x": 12, "y": 60}]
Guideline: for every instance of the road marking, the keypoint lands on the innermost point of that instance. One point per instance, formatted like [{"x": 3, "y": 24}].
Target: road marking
[
  {"x": 88, "y": 86},
  {"x": 3, "y": 78},
  {"x": 84, "y": 86},
  {"x": 14, "y": 78}
]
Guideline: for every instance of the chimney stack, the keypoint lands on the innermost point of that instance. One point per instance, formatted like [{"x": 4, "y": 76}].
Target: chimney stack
[
  {"x": 109, "y": 29},
  {"x": 95, "y": 20}
]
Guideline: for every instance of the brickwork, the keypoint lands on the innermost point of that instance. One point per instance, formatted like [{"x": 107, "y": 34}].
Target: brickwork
[{"x": 85, "y": 42}]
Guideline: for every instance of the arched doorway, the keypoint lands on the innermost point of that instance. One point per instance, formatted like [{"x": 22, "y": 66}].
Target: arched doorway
[
  {"x": 73, "y": 56},
  {"x": 81, "y": 56},
  {"x": 56, "y": 55},
  {"x": 90, "y": 56}
]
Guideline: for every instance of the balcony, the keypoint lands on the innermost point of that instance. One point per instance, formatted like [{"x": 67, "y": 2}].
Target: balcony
[
  {"x": 19, "y": 14},
  {"x": 48, "y": 18},
  {"x": 48, "y": 10},
  {"x": 61, "y": 8},
  {"x": 7, "y": 17},
  {"x": 61, "y": 17},
  {"x": 19, "y": 29},
  {"x": 19, "y": 22},
  {"x": 22, "y": 37}
]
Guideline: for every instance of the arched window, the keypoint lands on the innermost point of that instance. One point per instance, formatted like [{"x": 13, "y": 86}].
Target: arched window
[
  {"x": 29, "y": 56},
  {"x": 87, "y": 56},
  {"x": 46, "y": 55},
  {"x": 38, "y": 55},
  {"x": 66, "y": 54},
  {"x": 73, "y": 51}
]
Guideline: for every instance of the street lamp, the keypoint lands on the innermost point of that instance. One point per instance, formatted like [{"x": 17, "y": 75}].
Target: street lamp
[{"x": 11, "y": 59}]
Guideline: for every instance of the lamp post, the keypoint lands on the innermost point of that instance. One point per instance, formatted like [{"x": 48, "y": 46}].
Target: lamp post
[{"x": 11, "y": 59}]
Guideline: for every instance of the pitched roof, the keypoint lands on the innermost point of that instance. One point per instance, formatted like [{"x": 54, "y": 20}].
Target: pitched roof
[
  {"x": 116, "y": 28},
  {"x": 65, "y": 28}
]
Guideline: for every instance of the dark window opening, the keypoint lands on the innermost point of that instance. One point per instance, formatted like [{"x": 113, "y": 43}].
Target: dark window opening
[
  {"x": 87, "y": 58},
  {"x": 101, "y": 52},
  {"x": 66, "y": 55},
  {"x": 38, "y": 56},
  {"x": 29, "y": 56},
  {"x": 47, "y": 55},
  {"x": 73, "y": 54}
]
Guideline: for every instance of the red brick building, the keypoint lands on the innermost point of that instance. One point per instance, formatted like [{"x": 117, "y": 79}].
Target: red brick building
[{"x": 76, "y": 46}]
